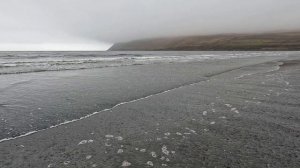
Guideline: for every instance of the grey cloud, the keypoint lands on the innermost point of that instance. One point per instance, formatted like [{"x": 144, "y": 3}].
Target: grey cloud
[{"x": 84, "y": 21}]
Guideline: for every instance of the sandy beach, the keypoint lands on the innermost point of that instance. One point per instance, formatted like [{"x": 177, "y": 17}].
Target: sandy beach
[{"x": 239, "y": 112}]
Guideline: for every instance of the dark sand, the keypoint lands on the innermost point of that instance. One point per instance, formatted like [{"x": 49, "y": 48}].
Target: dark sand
[{"x": 238, "y": 113}]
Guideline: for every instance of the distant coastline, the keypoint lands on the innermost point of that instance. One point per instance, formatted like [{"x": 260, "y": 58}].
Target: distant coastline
[{"x": 287, "y": 41}]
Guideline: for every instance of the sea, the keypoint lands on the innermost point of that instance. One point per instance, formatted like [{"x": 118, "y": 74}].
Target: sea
[{"x": 28, "y": 62}]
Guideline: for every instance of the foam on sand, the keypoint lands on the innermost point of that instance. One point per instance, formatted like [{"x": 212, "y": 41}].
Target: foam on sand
[
  {"x": 125, "y": 163},
  {"x": 149, "y": 163}
]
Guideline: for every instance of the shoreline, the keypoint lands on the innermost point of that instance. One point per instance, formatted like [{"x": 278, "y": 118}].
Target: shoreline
[
  {"x": 197, "y": 72},
  {"x": 94, "y": 113},
  {"x": 195, "y": 121}
]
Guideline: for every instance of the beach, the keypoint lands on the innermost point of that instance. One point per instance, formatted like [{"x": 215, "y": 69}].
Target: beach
[{"x": 229, "y": 112}]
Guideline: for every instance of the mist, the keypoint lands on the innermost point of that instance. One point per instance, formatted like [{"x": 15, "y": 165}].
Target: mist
[{"x": 97, "y": 24}]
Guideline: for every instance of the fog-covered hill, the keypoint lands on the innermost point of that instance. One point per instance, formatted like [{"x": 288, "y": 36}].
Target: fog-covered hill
[{"x": 269, "y": 41}]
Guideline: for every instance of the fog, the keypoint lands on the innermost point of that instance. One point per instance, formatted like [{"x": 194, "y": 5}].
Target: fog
[{"x": 96, "y": 24}]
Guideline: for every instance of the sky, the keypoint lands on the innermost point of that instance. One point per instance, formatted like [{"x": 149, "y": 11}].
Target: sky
[{"x": 97, "y": 24}]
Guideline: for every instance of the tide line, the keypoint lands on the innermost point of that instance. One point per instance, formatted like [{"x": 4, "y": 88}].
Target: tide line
[{"x": 97, "y": 112}]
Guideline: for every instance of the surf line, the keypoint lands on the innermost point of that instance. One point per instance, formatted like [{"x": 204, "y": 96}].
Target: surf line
[{"x": 97, "y": 112}]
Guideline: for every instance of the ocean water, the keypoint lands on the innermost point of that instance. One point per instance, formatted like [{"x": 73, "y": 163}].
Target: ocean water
[
  {"x": 26, "y": 62},
  {"x": 39, "y": 90}
]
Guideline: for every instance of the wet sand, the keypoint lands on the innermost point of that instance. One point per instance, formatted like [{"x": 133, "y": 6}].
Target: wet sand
[{"x": 230, "y": 113}]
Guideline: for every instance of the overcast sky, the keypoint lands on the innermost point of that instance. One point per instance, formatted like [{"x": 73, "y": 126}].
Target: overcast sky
[{"x": 96, "y": 24}]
